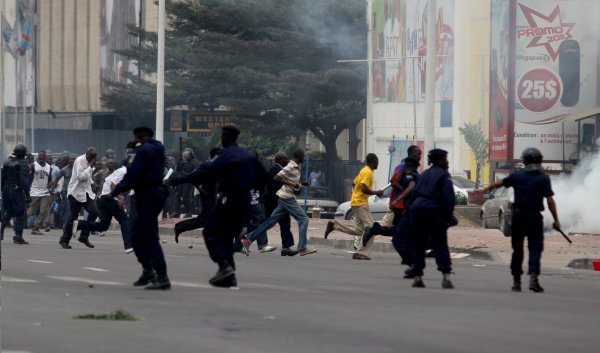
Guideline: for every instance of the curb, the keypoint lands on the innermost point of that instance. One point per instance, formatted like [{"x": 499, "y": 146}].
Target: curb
[
  {"x": 582, "y": 264},
  {"x": 344, "y": 244}
]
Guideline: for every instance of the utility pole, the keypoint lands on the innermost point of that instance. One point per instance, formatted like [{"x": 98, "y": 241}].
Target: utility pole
[
  {"x": 160, "y": 76},
  {"x": 429, "y": 134}
]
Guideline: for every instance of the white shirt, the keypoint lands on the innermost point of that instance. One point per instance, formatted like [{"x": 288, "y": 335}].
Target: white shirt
[
  {"x": 81, "y": 180},
  {"x": 39, "y": 186},
  {"x": 114, "y": 178}
]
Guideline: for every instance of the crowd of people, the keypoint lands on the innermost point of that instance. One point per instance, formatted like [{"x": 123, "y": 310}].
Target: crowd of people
[{"x": 241, "y": 200}]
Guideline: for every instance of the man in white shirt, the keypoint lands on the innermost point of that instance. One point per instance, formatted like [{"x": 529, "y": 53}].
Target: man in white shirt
[
  {"x": 80, "y": 194},
  {"x": 41, "y": 199},
  {"x": 110, "y": 207}
]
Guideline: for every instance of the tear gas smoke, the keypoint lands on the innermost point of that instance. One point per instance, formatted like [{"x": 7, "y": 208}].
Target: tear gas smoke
[{"x": 578, "y": 197}]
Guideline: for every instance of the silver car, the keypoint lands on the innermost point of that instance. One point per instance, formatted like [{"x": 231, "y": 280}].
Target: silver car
[
  {"x": 496, "y": 212},
  {"x": 318, "y": 196}
]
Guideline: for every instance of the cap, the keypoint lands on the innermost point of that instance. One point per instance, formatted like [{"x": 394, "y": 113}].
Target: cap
[{"x": 143, "y": 130}]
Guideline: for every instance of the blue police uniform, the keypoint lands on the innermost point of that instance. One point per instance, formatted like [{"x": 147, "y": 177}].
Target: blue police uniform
[
  {"x": 237, "y": 172},
  {"x": 430, "y": 214},
  {"x": 15, "y": 193},
  {"x": 403, "y": 236},
  {"x": 145, "y": 176},
  {"x": 531, "y": 187}
]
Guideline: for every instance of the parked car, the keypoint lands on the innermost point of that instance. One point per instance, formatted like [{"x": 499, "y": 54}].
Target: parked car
[
  {"x": 496, "y": 212},
  {"x": 380, "y": 205},
  {"x": 318, "y": 196},
  {"x": 462, "y": 184}
]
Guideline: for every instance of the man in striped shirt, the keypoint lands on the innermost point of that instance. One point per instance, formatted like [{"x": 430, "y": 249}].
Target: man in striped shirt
[{"x": 290, "y": 178}]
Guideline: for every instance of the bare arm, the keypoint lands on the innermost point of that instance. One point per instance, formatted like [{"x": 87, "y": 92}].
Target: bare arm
[
  {"x": 367, "y": 191},
  {"x": 406, "y": 192},
  {"x": 552, "y": 208},
  {"x": 494, "y": 186}
]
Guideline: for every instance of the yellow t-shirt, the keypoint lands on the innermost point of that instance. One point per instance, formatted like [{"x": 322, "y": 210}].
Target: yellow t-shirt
[{"x": 365, "y": 176}]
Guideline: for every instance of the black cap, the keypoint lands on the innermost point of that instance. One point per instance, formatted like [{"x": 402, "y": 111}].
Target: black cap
[
  {"x": 143, "y": 130},
  {"x": 231, "y": 130}
]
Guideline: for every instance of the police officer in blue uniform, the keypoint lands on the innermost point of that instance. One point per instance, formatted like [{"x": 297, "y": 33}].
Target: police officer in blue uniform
[
  {"x": 15, "y": 192},
  {"x": 145, "y": 177},
  {"x": 237, "y": 172},
  {"x": 531, "y": 185},
  {"x": 431, "y": 213}
]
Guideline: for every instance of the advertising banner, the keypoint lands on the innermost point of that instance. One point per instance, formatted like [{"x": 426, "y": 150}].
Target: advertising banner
[
  {"x": 500, "y": 112},
  {"x": 556, "y": 73},
  {"x": 399, "y": 45}
]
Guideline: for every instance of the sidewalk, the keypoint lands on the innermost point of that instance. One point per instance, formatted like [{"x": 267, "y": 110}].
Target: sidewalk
[{"x": 487, "y": 244}]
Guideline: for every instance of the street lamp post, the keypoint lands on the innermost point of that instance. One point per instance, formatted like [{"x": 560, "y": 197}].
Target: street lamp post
[{"x": 306, "y": 162}]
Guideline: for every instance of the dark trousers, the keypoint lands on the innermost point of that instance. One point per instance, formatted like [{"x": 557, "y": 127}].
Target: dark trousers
[
  {"x": 13, "y": 205},
  {"x": 254, "y": 217},
  {"x": 107, "y": 209},
  {"x": 287, "y": 238},
  {"x": 144, "y": 230},
  {"x": 404, "y": 240},
  {"x": 185, "y": 197},
  {"x": 428, "y": 222},
  {"x": 208, "y": 204},
  {"x": 530, "y": 225},
  {"x": 74, "y": 208},
  {"x": 223, "y": 225}
]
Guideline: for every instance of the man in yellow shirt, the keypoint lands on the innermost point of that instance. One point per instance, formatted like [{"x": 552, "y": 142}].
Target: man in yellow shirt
[{"x": 363, "y": 188}]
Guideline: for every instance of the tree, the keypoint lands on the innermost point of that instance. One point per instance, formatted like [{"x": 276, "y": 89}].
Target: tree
[
  {"x": 478, "y": 143},
  {"x": 257, "y": 56}
]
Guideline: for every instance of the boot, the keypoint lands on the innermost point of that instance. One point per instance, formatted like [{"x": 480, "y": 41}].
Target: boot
[
  {"x": 225, "y": 277},
  {"x": 18, "y": 239},
  {"x": 418, "y": 282},
  {"x": 446, "y": 283},
  {"x": 161, "y": 282},
  {"x": 516, "y": 284},
  {"x": 534, "y": 284},
  {"x": 147, "y": 277}
]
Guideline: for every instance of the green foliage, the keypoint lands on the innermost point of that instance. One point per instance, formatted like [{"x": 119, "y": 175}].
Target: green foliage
[
  {"x": 117, "y": 315},
  {"x": 478, "y": 143},
  {"x": 461, "y": 198},
  {"x": 258, "y": 56}
]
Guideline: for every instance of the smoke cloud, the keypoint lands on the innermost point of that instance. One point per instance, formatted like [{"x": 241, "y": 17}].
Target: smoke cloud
[{"x": 578, "y": 197}]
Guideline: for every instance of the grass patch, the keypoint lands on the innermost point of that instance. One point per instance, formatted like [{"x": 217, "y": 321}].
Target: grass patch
[{"x": 117, "y": 315}]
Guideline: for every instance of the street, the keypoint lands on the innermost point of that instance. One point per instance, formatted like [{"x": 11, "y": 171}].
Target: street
[{"x": 324, "y": 302}]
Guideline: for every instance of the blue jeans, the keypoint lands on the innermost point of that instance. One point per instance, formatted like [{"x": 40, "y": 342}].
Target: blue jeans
[{"x": 285, "y": 206}]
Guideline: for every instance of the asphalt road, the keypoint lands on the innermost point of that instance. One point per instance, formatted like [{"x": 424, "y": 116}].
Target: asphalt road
[{"x": 324, "y": 302}]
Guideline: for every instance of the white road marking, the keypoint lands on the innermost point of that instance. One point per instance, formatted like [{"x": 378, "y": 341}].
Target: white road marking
[
  {"x": 41, "y": 262},
  {"x": 5, "y": 351},
  {"x": 190, "y": 285},
  {"x": 460, "y": 255},
  {"x": 86, "y": 280},
  {"x": 177, "y": 256},
  {"x": 480, "y": 265},
  {"x": 18, "y": 280},
  {"x": 95, "y": 269}
]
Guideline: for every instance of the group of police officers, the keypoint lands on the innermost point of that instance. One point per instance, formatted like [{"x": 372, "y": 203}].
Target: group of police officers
[{"x": 424, "y": 223}]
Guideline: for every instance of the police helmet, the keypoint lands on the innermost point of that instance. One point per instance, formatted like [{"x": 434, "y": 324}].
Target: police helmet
[
  {"x": 20, "y": 150},
  {"x": 532, "y": 155}
]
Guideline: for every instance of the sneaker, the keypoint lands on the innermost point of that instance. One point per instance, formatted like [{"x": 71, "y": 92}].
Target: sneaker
[
  {"x": 446, "y": 283},
  {"x": 306, "y": 251},
  {"x": 357, "y": 256},
  {"x": 534, "y": 284},
  {"x": 48, "y": 229},
  {"x": 288, "y": 252},
  {"x": 65, "y": 245},
  {"x": 267, "y": 248},
  {"x": 516, "y": 286},
  {"x": 418, "y": 282},
  {"x": 330, "y": 228},
  {"x": 100, "y": 234},
  {"x": 36, "y": 231},
  {"x": 129, "y": 251},
  {"x": 74, "y": 229},
  {"x": 409, "y": 273},
  {"x": 161, "y": 282},
  {"x": 245, "y": 245}
]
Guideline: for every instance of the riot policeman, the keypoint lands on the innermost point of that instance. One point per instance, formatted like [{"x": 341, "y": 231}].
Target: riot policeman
[
  {"x": 15, "y": 192},
  {"x": 531, "y": 186}
]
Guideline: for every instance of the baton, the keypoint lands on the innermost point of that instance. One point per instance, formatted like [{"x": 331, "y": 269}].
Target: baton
[{"x": 565, "y": 236}]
